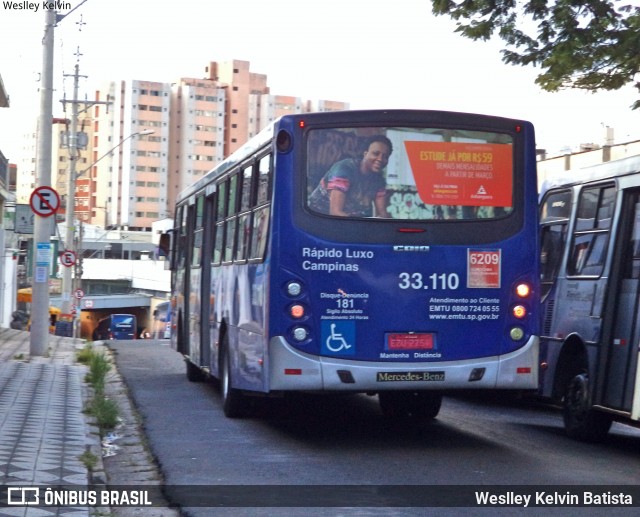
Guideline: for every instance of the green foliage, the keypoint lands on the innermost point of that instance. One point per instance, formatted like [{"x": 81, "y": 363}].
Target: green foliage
[
  {"x": 88, "y": 459},
  {"x": 105, "y": 412},
  {"x": 98, "y": 368},
  {"x": 584, "y": 44},
  {"x": 84, "y": 356},
  {"x": 103, "y": 409}
]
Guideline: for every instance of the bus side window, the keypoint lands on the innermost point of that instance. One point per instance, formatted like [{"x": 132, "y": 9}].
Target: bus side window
[
  {"x": 232, "y": 219},
  {"x": 553, "y": 239},
  {"x": 264, "y": 180},
  {"x": 181, "y": 235},
  {"x": 246, "y": 197},
  {"x": 218, "y": 244},
  {"x": 631, "y": 257},
  {"x": 591, "y": 235},
  {"x": 230, "y": 239},
  {"x": 244, "y": 236},
  {"x": 198, "y": 232},
  {"x": 259, "y": 235}
]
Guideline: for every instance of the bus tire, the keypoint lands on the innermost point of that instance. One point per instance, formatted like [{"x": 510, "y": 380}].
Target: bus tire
[
  {"x": 234, "y": 403},
  {"x": 194, "y": 373},
  {"x": 415, "y": 405},
  {"x": 581, "y": 421}
]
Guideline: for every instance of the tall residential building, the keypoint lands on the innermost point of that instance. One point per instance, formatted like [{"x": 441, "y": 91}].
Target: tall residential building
[
  {"x": 197, "y": 132},
  {"x": 131, "y": 154},
  {"x": 241, "y": 85},
  {"x": 131, "y": 177}
]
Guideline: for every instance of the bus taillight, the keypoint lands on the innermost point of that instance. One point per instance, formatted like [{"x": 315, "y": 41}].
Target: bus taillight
[
  {"x": 523, "y": 290},
  {"x": 296, "y": 311},
  {"x": 519, "y": 311}
]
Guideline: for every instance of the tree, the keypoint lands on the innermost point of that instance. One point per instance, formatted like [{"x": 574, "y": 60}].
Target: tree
[{"x": 584, "y": 44}]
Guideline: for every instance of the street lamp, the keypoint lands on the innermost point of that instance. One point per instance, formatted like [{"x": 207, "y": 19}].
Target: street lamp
[{"x": 67, "y": 283}]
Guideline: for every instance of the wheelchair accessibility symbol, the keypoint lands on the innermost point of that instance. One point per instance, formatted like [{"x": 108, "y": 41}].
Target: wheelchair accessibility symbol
[{"x": 338, "y": 337}]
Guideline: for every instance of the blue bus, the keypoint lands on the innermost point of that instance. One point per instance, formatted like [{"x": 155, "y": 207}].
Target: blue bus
[
  {"x": 116, "y": 326},
  {"x": 383, "y": 252},
  {"x": 590, "y": 250}
]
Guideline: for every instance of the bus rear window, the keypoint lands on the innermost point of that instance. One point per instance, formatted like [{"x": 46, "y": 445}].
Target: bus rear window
[{"x": 409, "y": 173}]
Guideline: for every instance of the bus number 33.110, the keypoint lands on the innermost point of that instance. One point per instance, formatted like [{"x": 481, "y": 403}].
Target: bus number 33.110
[{"x": 433, "y": 281}]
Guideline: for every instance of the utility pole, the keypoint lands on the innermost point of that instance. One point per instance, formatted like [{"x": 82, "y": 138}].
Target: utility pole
[
  {"x": 74, "y": 145},
  {"x": 43, "y": 225},
  {"x": 74, "y": 154}
]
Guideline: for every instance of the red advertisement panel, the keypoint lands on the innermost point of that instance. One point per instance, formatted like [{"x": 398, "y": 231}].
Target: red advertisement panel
[
  {"x": 458, "y": 173},
  {"x": 483, "y": 268}
]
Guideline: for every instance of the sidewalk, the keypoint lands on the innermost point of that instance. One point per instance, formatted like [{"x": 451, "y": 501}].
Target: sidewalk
[{"x": 43, "y": 430}]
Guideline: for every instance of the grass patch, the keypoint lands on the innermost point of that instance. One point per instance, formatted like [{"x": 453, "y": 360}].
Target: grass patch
[
  {"x": 98, "y": 368},
  {"x": 84, "y": 356},
  {"x": 103, "y": 409},
  {"x": 105, "y": 412},
  {"x": 89, "y": 460}
]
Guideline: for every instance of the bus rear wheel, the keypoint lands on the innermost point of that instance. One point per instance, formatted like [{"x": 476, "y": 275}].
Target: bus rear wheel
[
  {"x": 416, "y": 405},
  {"x": 234, "y": 403},
  {"x": 581, "y": 421}
]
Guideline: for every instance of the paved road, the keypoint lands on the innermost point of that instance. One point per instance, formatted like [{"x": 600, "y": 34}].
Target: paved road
[{"x": 345, "y": 441}]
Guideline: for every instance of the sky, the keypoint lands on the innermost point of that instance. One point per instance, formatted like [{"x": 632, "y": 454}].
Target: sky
[{"x": 371, "y": 54}]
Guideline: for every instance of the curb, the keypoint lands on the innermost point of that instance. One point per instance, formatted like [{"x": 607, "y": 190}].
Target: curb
[{"x": 131, "y": 463}]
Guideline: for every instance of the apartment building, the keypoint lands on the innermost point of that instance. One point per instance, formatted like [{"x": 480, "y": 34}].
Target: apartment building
[
  {"x": 198, "y": 121},
  {"x": 241, "y": 119},
  {"x": 145, "y": 141},
  {"x": 131, "y": 131}
]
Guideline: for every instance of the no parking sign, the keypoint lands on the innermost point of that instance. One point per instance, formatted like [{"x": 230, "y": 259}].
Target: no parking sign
[
  {"x": 67, "y": 258},
  {"x": 44, "y": 201}
]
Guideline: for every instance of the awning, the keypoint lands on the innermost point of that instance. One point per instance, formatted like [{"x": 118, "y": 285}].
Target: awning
[{"x": 24, "y": 295}]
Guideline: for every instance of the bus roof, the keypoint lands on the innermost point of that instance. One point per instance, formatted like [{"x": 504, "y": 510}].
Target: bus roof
[{"x": 601, "y": 171}]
